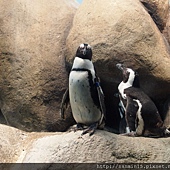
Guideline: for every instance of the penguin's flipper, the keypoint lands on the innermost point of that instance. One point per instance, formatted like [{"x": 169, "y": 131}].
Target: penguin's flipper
[
  {"x": 101, "y": 99},
  {"x": 131, "y": 113},
  {"x": 64, "y": 103}
]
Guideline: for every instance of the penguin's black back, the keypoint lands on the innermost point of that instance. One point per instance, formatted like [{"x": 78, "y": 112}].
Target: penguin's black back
[
  {"x": 149, "y": 111},
  {"x": 136, "y": 82}
]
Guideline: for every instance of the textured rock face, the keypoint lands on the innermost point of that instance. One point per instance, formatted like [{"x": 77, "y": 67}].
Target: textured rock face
[
  {"x": 69, "y": 147},
  {"x": 158, "y": 9},
  {"x": 122, "y": 31},
  {"x": 12, "y": 144},
  {"x": 166, "y": 31},
  {"x": 33, "y": 76},
  {"x": 100, "y": 147}
]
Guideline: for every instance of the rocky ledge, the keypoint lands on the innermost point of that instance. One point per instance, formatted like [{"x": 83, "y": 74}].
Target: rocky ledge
[{"x": 71, "y": 147}]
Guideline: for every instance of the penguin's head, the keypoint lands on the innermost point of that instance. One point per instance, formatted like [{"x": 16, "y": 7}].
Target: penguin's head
[
  {"x": 84, "y": 51},
  {"x": 129, "y": 75}
]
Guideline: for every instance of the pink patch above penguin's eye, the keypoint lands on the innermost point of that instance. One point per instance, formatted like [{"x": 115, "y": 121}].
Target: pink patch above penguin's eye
[
  {"x": 127, "y": 72},
  {"x": 81, "y": 45}
]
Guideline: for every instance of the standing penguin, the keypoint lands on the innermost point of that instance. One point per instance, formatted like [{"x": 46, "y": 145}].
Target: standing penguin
[
  {"x": 130, "y": 79},
  {"x": 142, "y": 116},
  {"x": 85, "y": 93}
]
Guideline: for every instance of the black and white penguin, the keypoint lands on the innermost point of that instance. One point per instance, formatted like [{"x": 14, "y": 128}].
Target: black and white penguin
[
  {"x": 85, "y": 93},
  {"x": 142, "y": 116},
  {"x": 130, "y": 79}
]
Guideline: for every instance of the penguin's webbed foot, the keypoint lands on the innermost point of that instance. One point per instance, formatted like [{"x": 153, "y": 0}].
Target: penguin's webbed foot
[
  {"x": 91, "y": 129},
  {"x": 131, "y": 134},
  {"x": 78, "y": 127}
]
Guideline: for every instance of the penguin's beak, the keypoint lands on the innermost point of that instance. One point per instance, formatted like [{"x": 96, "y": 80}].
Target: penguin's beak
[{"x": 119, "y": 66}]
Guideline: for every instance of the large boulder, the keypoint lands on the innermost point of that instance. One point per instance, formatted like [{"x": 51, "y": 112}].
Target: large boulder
[
  {"x": 122, "y": 31},
  {"x": 33, "y": 76}
]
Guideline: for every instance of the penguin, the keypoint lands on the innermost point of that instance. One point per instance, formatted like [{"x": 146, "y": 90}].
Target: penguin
[
  {"x": 147, "y": 121},
  {"x": 141, "y": 114},
  {"x": 85, "y": 93},
  {"x": 130, "y": 79}
]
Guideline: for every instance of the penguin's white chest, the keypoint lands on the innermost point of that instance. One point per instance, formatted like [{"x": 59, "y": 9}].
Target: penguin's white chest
[
  {"x": 140, "y": 123},
  {"x": 122, "y": 86},
  {"x": 83, "y": 108}
]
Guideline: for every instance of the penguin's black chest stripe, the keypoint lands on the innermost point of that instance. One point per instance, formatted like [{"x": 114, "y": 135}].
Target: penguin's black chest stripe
[
  {"x": 80, "y": 69},
  {"x": 93, "y": 88}
]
